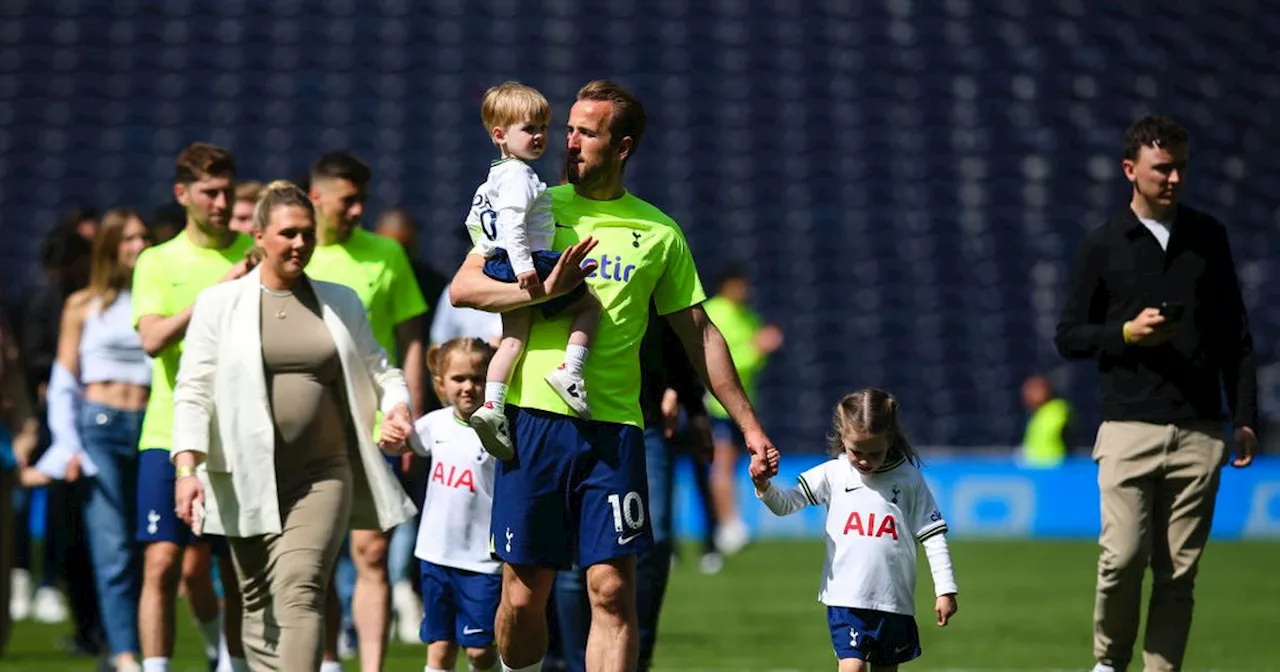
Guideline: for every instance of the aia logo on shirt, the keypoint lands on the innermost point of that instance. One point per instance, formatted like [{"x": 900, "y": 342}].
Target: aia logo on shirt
[
  {"x": 455, "y": 478},
  {"x": 865, "y": 526}
]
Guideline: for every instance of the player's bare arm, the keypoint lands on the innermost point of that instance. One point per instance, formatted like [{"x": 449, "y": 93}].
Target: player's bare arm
[
  {"x": 709, "y": 355},
  {"x": 471, "y": 288},
  {"x": 159, "y": 332}
]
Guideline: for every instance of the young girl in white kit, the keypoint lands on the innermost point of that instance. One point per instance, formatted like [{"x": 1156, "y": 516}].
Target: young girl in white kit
[{"x": 878, "y": 507}]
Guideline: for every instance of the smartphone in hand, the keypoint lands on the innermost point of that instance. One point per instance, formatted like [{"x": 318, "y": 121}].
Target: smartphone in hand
[{"x": 1172, "y": 311}]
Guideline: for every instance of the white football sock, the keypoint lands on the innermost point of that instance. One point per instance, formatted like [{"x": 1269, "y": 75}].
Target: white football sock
[
  {"x": 433, "y": 669},
  {"x": 497, "y": 393},
  {"x": 536, "y": 667},
  {"x": 331, "y": 666},
  {"x": 574, "y": 357},
  {"x": 155, "y": 665}
]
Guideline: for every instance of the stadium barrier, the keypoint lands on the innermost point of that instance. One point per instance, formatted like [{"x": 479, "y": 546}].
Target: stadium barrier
[{"x": 996, "y": 497}]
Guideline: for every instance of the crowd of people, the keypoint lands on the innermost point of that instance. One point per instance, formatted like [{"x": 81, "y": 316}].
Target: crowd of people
[
  {"x": 135, "y": 414},
  {"x": 261, "y": 414}
]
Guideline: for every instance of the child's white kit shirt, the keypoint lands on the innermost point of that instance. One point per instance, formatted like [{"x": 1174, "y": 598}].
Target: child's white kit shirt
[
  {"x": 512, "y": 211},
  {"x": 454, "y": 530},
  {"x": 873, "y": 524}
]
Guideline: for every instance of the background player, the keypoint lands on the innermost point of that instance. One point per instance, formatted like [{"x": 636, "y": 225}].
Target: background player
[
  {"x": 750, "y": 341},
  {"x": 878, "y": 507},
  {"x": 166, "y": 281},
  {"x": 379, "y": 271},
  {"x": 512, "y": 226},
  {"x": 461, "y": 582}
]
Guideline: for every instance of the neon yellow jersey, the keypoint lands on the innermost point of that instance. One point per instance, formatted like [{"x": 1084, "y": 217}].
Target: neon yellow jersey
[
  {"x": 166, "y": 280},
  {"x": 642, "y": 255},
  {"x": 739, "y": 325},
  {"x": 379, "y": 271},
  {"x": 1043, "y": 444}
]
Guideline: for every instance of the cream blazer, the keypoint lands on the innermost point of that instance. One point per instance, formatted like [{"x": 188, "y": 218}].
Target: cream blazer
[{"x": 220, "y": 409}]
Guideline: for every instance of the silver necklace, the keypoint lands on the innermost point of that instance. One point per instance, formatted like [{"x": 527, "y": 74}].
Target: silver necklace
[{"x": 280, "y": 315}]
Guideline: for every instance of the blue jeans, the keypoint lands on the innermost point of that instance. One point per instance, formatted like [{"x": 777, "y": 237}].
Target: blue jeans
[
  {"x": 653, "y": 568},
  {"x": 110, "y": 437}
]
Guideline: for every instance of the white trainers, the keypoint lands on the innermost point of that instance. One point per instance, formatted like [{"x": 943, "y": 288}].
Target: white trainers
[
  {"x": 732, "y": 537},
  {"x": 49, "y": 607},
  {"x": 408, "y": 612},
  {"x": 491, "y": 426},
  {"x": 19, "y": 594},
  {"x": 711, "y": 563},
  {"x": 572, "y": 389}
]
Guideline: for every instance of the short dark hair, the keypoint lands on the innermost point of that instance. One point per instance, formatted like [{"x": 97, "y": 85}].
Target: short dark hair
[
  {"x": 628, "y": 114},
  {"x": 734, "y": 271},
  {"x": 1153, "y": 130},
  {"x": 341, "y": 165},
  {"x": 200, "y": 160}
]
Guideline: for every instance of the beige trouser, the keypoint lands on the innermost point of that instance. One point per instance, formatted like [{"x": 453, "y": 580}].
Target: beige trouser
[
  {"x": 284, "y": 577},
  {"x": 1158, "y": 486}
]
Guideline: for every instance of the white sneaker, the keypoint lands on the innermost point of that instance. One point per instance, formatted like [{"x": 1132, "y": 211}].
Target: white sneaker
[
  {"x": 19, "y": 594},
  {"x": 49, "y": 606},
  {"x": 572, "y": 389},
  {"x": 347, "y": 645},
  {"x": 732, "y": 537},
  {"x": 408, "y": 612},
  {"x": 711, "y": 563},
  {"x": 491, "y": 426}
]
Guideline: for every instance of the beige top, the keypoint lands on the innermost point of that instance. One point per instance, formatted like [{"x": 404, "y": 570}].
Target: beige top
[{"x": 304, "y": 384}]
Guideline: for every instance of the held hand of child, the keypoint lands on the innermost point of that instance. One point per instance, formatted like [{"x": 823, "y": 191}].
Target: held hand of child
[
  {"x": 760, "y": 472},
  {"x": 396, "y": 426},
  {"x": 530, "y": 282},
  {"x": 945, "y": 608}
]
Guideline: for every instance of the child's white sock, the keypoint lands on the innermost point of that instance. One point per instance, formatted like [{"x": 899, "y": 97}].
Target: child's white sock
[
  {"x": 536, "y": 667},
  {"x": 331, "y": 666},
  {"x": 433, "y": 669},
  {"x": 497, "y": 393},
  {"x": 574, "y": 357},
  {"x": 211, "y": 630},
  {"x": 155, "y": 665}
]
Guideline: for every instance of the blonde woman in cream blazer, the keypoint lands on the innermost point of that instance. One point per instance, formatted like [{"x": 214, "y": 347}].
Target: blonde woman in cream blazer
[{"x": 277, "y": 391}]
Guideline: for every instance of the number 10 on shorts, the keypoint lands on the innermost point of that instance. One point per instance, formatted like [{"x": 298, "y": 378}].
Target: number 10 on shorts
[{"x": 628, "y": 511}]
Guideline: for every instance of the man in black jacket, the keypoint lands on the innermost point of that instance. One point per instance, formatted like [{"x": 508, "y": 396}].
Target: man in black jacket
[{"x": 1155, "y": 300}]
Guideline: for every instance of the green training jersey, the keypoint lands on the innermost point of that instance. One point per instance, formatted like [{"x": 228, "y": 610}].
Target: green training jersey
[
  {"x": 166, "y": 280},
  {"x": 642, "y": 255},
  {"x": 379, "y": 271}
]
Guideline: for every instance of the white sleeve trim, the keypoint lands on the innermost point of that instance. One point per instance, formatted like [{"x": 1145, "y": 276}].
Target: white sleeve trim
[{"x": 932, "y": 530}]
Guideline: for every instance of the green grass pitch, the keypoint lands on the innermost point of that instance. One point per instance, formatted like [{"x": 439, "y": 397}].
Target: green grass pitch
[{"x": 1024, "y": 605}]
